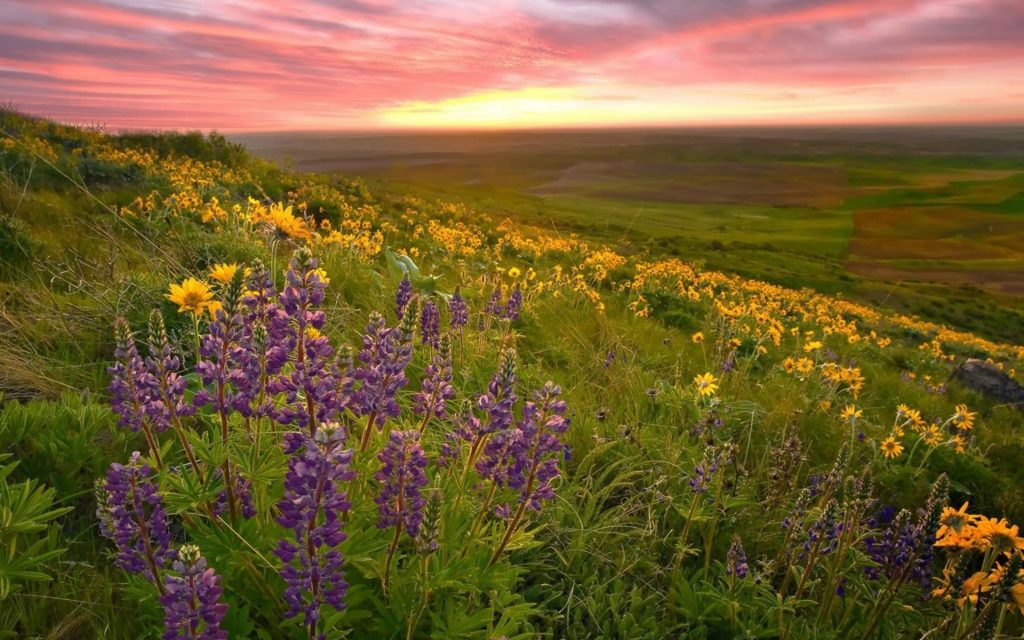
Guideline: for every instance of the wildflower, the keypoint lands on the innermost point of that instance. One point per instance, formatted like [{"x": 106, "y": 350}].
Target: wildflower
[
  {"x": 436, "y": 388},
  {"x": 998, "y": 534},
  {"x": 312, "y": 508},
  {"x": 385, "y": 354},
  {"x": 514, "y": 273},
  {"x": 403, "y": 296},
  {"x": 191, "y": 296},
  {"x": 131, "y": 514},
  {"x": 191, "y": 600},
  {"x": 309, "y": 386},
  {"x": 956, "y": 527},
  {"x": 223, "y": 273},
  {"x": 286, "y": 225},
  {"x": 130, "y": 383},
  {"x": 851, "y": 414},
  {"x": 459, "y": 311},
  {"x": 706, "y": 384},
  {"x": 430, "y": 318},
  {"x": 697, "y": 338},
  {"x": 891, "y": 448},
  {"x": 401, "y": 476},
  {"x": 963, "y": 419},
  {"x": 736, "y": 560},
  {"x": 514, "y": 305}
]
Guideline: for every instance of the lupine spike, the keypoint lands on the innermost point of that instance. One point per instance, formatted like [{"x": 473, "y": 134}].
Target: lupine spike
[{"x": 192, "y": 599}]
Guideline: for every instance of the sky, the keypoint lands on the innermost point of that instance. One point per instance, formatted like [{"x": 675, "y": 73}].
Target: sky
[{"x": 250, "y": 65}]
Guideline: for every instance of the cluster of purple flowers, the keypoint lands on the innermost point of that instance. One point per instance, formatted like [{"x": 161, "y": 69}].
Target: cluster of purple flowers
[
  {"x": 505, "y": 309},
  {"x": 401, "y": 475},
  {"x": 436, "y": 390},
  {"x": 736, "y": 560},
  {"x": 430, "y": 324},
  {"x": 385, "y": 354},
  {"x": 131, "y": 514},
  {"x": 403, "y": 296},
  {"x": 191, "y": 599},
  {"x": 313, "y": 508},
  {"x": 458, "y": 311}
]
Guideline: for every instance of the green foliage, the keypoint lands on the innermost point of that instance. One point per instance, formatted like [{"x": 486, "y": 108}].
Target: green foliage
[{"x": 26, "y": 510}]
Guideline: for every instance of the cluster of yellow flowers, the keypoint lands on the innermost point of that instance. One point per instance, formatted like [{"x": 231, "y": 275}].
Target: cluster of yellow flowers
[
  {"x": 996, "y": 538},
  {"x": 954, "y": 432}
]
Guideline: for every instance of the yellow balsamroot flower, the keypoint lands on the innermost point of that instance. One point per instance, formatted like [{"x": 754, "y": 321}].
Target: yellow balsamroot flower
[
  {"x": 323, "y": 276},
  {"x": 891, "y": 448},
  {"x": 697, "y": 337},
  {"x": 813, "y": 346},
  {"x": 287, "y": 224},
  {"x": 931, "y": 436},
  {"x": 223, "y": 272},
  {"x": 514, "y": 273},
  {"x": 706, "y": 384},
  {"x": 956, "y": 527},
  {"x": 191, "y": 296},
  {"x": 999, "y": 534},
  {"x": 851, "y": 413},
  {"x": 963, "y": 418}
]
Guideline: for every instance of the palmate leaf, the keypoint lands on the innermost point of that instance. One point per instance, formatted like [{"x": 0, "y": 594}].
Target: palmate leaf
[{"x": 26, "y": 508}]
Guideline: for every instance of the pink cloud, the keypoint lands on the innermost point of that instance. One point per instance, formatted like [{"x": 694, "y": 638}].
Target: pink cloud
[{"x": 326, "y": 63}]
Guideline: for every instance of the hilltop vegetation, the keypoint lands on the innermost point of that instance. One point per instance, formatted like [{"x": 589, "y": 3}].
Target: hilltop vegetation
[
  {"x": 925, "y": 220},
  {"x": 493, "y": 429}
]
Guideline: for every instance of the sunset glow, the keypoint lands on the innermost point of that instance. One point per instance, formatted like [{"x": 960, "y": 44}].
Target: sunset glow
[{"x": 322, "y": 64}]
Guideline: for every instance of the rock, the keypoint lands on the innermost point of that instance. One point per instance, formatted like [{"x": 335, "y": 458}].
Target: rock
[{"x": 987, "y": 379}]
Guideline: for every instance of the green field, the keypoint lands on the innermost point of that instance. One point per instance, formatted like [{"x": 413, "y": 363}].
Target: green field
[{"x": 925, "y": 221}]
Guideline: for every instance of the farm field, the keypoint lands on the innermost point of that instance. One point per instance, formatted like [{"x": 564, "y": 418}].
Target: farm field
[{"x": 924, "y": 220}]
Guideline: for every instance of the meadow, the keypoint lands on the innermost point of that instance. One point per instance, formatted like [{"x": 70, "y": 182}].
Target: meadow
[
  {"x": 250, "y": 402},
  {"x": 926, "y": 220}
]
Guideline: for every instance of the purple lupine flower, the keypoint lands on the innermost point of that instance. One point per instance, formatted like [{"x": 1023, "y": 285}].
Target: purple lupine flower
[
  {"x": 167, "y": 403},
  {"x": 893, "y": 549},
  {"x": 500, "y": 397},
  {"x": 131, "y": 514},
  {"x": 131, "y": 385},
  {"x": 430, "y": 401},
  {"x": 459, "y": 312},
  {"x": 704, "y": 472},
  {"x": 264, "y": 346},
  {"x": 191, "y": 600},
  {"x": 515, "y": 305},
  {"x": 343, "y": 373},
  {"x": 536, "y": 447},
  {"x": 313, "y": 508},
  {"x": 242, "y": 492},
  {"x": 384, "y": 356},
  {"x": 467, "y": 425},
  {"x": 309, "y": 387},
  {"x": 823, "y": 534},
  {"x": 216, "y": 365},
  {"x": 494, "y": 306},
  {"x": 403, "y": 296},
  {"x": 401, "y": 475},
  {"x": 430, "y": 320},
  {"x": 736, "y": 560},
  {"x": 430, "y": 530}
]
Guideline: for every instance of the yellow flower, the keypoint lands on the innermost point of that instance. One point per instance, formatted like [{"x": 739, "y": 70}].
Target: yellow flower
[
  {"x": 286, "y": 224},
  {"x": 697, "y": 337},
  {"x": 813, "y": 346},
  {"x": 514, "y": 273},
  {"x": 851, "y": 413},
  {"x": 223, "y": 272},
  {"x": 999, "y": 534},
  {"x": 891, "y": 448},
  {"x": 191, "y": 296},
  {"x": 323, "y": 276},
  {"x": 955, "y": 527},
  {"x": 963, "y": 418},
  {"x": 706, "y": 384}
]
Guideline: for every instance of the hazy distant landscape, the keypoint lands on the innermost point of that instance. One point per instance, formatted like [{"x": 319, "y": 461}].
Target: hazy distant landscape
[{"x": 927, "y": 220}]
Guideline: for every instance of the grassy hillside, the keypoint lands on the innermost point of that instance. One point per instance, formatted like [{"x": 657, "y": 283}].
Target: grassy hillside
[
  {"x": 924, "y": 220},
  {"x": 716, "y": 457}
]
